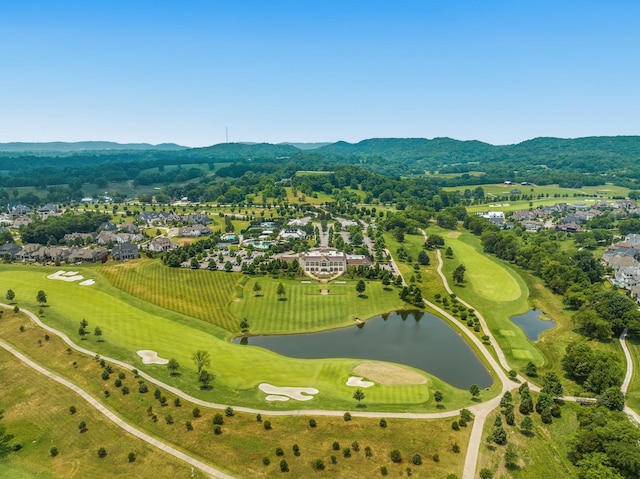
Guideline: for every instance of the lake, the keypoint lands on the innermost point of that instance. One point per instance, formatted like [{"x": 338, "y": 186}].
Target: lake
[
  {"x": 531, "y": 323},
  {"x": 414, "y": 338}
]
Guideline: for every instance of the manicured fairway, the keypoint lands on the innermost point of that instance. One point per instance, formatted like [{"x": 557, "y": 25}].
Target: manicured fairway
[
  {"x": 201, "y": 294},
  {"x": 633, "y": 395},
  {"x": 496, "y": 308},
  {"x": 487, "y": 277},
  {"x": 130, "y": 324}
]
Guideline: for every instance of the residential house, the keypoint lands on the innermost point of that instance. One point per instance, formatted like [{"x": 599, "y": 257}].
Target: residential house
[
  {"x": 532, "y": 226},
  {"x": 11, "y": 249},
  {"x": 125, "y": 251},
  {"x": 27, "y": 252},
  {"x": 628, "y": 277},
  {"x": 22, "y": 220},
  {"x": 569, "y": 228},
  {"x": 19, "y": 209},
  {"x": 86, "y": 255},
  {"x": 194, "y": 231},
  {"x": 161, "y": 243},
  {"x": 50, "y": 209}
]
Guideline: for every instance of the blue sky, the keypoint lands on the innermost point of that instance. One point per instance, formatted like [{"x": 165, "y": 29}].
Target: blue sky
[{"x": 167, "y": 71}]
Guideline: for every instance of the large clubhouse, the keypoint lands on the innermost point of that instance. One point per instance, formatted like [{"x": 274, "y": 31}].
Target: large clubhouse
[{"x": 326, "y": 261}]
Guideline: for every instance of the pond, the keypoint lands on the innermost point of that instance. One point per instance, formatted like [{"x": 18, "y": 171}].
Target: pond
[
  {"x": 414, "y": 338},
  {"x": 531, "y": 323}
]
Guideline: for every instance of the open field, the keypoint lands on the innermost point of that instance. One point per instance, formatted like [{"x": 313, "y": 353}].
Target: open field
[
  {"x": 542, "y": 455},
  {"x": 36, "y": 412},
  {"x": 130, "y": 324},
  {"x": 244, "y": 442},
  {"x": 566, "y": 195}
]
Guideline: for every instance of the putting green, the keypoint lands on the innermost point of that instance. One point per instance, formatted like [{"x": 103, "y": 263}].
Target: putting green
[
  {"x": 488, "y": 278},
  {"x": 521, "y": 354}
]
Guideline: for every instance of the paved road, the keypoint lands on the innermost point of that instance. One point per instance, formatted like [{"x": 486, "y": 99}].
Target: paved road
[{"x": 115, "y": 419}]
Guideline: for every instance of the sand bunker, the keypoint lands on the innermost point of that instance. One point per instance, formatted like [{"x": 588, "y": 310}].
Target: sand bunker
[
  {"x": 151, "y": 357},
  {"x": 358, "y": 382},
  {"x": 70, "y": 276},
  {"x": 389, "y": 374},
  {"x": 276, "y": 393}
]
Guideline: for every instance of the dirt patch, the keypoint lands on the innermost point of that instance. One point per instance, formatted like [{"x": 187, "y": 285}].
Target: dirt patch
[
  {"x": 324, "y": 292},
  {"x": 389, "y": 374},
  {"x": 453, "y": 234}
]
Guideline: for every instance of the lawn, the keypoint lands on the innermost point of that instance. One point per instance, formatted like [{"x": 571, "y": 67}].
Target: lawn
[
  {"x": 310, "y": 307},
  {"x": 36, "y": 412},
  {"x": 130, "y": 324},
  {"x": 633, "y": 395},
  {"x": 542, "y": 455},
  {"x": 244, "y": 441}
]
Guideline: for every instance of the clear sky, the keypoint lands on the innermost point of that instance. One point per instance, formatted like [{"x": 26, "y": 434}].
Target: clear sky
[{"x": 181, "y": 71}]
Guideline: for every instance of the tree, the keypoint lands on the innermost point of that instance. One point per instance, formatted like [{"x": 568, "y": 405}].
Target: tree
[
  {"x": 527, "y": 425},
  {"x": 499, "y": 435},
  {"x": 97, "y": 332},
  {"x": 531, "y": 370},
  {"x": 438, "y": 396},
  {"x": 396, "y": 456},
  {"x": 612, "y": 398},
  {"x": 228, "y": 266},
  {"x": 173, "y": 367},
  {"x": 257, "y": 288},
  {"x": 360, "y": 287},
  {"x": 102, "y": 452},
  {"x": 201, "y": 359},
  {"x": 205, "y": 378},
  {"x": 458, "y": 274},
  {"x": 244, "y": 324},
  {"x": 511, "y": 456},
  {"x": 474, "y": 390},
  {"x": 358, "y": 395},
  {"x": 280, "y": 291},
  {"x": 551, "y": 385},
  {"x": 10, "y": 295},
  {"x": 41, "y": 297},
  {"x": 423, "y": 258}
]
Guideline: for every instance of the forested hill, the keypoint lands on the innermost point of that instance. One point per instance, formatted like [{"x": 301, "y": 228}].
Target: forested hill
[{"x": 55, "y": 147}]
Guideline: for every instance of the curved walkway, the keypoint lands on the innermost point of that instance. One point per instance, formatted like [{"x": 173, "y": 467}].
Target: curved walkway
[
  {"x": 115, "y": 419},
  {"x": 628, "y": 375}
]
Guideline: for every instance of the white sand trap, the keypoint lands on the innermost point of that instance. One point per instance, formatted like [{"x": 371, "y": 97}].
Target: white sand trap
[
  {"x": 70, "y": 273},
  {"x": 358, "y": 382},
  {"x": 63, "y": 276},
  {"x": 299, "y": 394},
  {"x": 151, "y": 357},
  {"x": 87, "y": 282},
  {"x": 275, "y": 397}
]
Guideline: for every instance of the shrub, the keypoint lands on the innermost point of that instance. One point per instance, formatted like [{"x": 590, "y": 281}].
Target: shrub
[
  {"x": 267, "y": 425},
  {"x": 53, "y": 451},
  {"x": 259, "y": 417},
  {"x": 346, "y": 452},
  {"x": 218, "y": 419},
  {"x": 196, "y": 412},
  {"x": 189, "y": 426},
  {"x": 383, "y": 470},
  {"x": 177, "y": 402},
  {"x": 455, "y": 448},
  {"x": 455, "y": 426},
  {"x": 395, "y": 456},
  {"x": 266, "y": 461},
  {"x": 102, "y": 452},
  {"x": 367, "y": 452},
  {"x": 125, "y": 390},
  {"x": 82, "y": 426},
  {"x": 312, "y": 423},
  {"x": 121, "y": 375},
  {"x": 131, "y": 456},
  {"x": 142, "y": 388},
  {"x": 486, "y": 474},
  {"x": 217, "y": 430},
  {"x": 279, "y": 451},
  {"x": 347, "y": 416},
  {"x": 105, "y": 374},
  {"x": 355, "y": 446},
  {"x": 157, "y": 393},
  {"x": 334, "y": 460},
  {"x": 296, "y": 450},
  {"x": 163, "y": 400},
  {"x": 284, "y": 467},
  {"x": 229, "y": 411},
  {"x": 383, "y": 422},
  {"x": 169, "y": 419},
  {"x": 318, "y": 464},
  {"x": 107, "y": 393},
  {"x": 335, "y": 446},
  {"x": 72, "y": 410}
]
